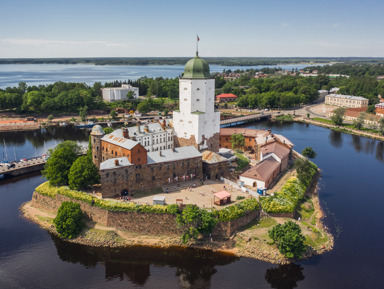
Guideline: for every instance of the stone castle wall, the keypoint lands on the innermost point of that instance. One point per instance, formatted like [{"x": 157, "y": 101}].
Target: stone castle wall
[
  {"x": 144, "y": 223},
  {"x": 132, "y": 178},
  {"x": 227, "y": 228}
]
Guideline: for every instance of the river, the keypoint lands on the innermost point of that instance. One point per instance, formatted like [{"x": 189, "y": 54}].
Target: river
[
  {"x": 350, "y": 194},
  {"x": 36, "y": 74}
]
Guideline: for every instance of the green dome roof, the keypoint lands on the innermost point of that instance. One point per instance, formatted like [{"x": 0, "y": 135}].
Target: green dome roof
[{"x": 197, "y": 68}]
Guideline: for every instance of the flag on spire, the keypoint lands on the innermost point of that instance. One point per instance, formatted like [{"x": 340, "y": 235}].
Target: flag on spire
[{"x": 198, "y": 39}]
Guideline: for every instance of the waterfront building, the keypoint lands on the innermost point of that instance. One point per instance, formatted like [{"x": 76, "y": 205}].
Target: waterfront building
[
  {"x": 197, "y": 122},
  {"x": 346, "y": 100},
  {"x": 111, "y": 94},
  {"x": 226, "y": 97}
]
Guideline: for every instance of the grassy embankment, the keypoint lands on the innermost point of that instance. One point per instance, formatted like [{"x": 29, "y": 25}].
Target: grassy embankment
[{"x": 346, "y": 127}]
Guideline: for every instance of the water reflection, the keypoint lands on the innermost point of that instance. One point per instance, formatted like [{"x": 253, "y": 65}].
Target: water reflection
[
  {"x": 284, "y": 276},
  {"x": 335, "y": 138},
  {"x": 380, "y": 151},
  {"x": 194, "y": 268}
]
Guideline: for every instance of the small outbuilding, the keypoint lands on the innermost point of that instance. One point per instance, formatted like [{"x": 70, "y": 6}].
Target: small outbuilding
[
  {"x": 221, "y": 198},
  {"x": 159, "y": 200}
]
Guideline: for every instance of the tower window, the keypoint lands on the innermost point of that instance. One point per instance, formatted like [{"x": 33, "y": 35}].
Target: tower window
[
  {"x": 185, "y": 88},
  {"x": 197, "y": 88},
  {"x": 197, "y": 99}
]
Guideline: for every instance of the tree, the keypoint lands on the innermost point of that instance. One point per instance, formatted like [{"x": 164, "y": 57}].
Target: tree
[
  {"x": 83, "y": 112},
  {"x": 237, "y": 140},
  {"x": 83, "y": 173},
  {"x": 309, "y": 153},
  {"x": 194, "y": 221},
  {"x": 108, "y": 130},
  {"x": 358, "y": 122},
  {"x": 289, "y": 239},
  {"x": 337, "y": 116},
  {"x": 305, "y": 170},
  {"x": 61, "y": 158},
  {"x": 381, "y": 126},
  {"x": 113, "y": 114},
  {"x": 50, "y": 117},
  {"x": 69, "y": 220}
]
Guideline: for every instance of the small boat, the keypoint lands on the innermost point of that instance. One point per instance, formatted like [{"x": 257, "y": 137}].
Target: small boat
[{"x": 89, "y": 124}]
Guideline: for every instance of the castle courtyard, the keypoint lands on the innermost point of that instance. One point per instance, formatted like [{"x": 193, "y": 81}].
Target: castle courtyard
[{"x": 200, "y": 195}]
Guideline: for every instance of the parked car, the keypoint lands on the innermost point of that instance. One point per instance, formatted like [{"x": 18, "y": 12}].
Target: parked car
[{"x": 10, "y": 166}]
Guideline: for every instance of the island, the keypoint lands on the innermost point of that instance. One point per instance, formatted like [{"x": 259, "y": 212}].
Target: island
[{"x": 185, "y": 182}]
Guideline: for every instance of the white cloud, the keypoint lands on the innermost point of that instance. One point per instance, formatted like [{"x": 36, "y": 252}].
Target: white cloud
[{"x": 284, "y": 24}]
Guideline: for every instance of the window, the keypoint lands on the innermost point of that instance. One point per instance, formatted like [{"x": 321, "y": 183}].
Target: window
[
  {"x": 153, "y": 178},
  {"x": 138, "y": 159},
  {"x": 197, "y": 88}
]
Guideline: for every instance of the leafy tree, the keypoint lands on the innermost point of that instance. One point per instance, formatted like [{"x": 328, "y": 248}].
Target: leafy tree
[
  {"x": 381, "y": 126},
  {"x": 289, "y": 239},
  {"x": 237, "y": 140},
  {"x": 108, "y": 130},
  {"x": 113, "y": 114},
  {"x": 83, "y": 112},
  {"x": 61, "y": 158},
  {"x": 69, "y": 220},
  {"x": 337, "y": 116},
  {"x": 305, "y": 170},
  {"x": 358, "y": 122},
  {"x": 50, "y": 117},
  {"x": 194, "y": 221},
  {"x": 83, "y": 173},
  {"x": 309, "y": 153}
]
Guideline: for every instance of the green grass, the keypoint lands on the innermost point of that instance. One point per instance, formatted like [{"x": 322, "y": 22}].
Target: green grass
[
  {"x": 284, "y": 118},
  {"x": 267, "y": 222},
  {"x": 102, "y": 235},
  {"x": 45, "y": 219},
  {"x": 242, "y": 161},
  {"x": 322, "y": 120}
]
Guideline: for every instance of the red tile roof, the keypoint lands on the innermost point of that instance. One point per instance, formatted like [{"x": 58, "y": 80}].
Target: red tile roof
[
  {"x": 226, "y": 95},
  {"x": 263, "y": 170}
]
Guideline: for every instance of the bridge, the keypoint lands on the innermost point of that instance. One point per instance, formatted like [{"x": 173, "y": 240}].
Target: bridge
[
  {"x": 31, "y": 165},
  {"x": 246, "y": 118},
  {"x": 23, "y": 167}
]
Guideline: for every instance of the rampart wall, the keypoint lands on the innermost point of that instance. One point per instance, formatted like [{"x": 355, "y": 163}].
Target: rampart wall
[{"x": 144, "y": 223}]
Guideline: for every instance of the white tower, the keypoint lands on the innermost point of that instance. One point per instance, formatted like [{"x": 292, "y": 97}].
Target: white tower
[{"x": 197, "y": 123}]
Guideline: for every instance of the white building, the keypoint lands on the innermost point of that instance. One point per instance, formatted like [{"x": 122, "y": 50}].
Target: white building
[
  {"x": 346, "y": 100},
  {"x": 197, "y": 123},
  {"x": 111, "y": 94},
  {"x": 153, "y": 136}
]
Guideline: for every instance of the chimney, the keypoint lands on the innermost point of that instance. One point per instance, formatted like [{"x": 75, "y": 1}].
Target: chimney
[
  {"x": 146, "y": 129},
  {"x": 160, "y": 154},
  {"x": 116, "y": 163},
  {"x": 138, "y": 126},
  {"x": 164, "y": 123},
  {"x": 125, "y": 132}
]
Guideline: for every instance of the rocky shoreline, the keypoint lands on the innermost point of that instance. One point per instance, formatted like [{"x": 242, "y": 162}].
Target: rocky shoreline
[{"x": 238, "y": 245}]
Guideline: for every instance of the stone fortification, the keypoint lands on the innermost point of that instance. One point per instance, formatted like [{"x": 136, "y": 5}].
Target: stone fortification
[{"x": 143, "y": 223}]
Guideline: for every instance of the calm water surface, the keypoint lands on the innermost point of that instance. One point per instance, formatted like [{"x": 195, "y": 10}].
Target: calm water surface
[
  {"x": 351, "y": 195},
  {"x": 36, "y": 74}
]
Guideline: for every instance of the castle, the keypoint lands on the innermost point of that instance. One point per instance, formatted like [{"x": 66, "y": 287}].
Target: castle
[
  {"x": 152, "y": 155},
  {"x": 183, "y": 149}
]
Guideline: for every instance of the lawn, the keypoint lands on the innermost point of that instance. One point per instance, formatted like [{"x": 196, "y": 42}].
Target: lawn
[{"x": 242, "y": 161}]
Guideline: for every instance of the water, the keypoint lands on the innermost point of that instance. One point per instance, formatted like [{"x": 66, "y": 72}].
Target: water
[
  {"x": 350, "y": 193},
  {"x": 36, "y": 74}
]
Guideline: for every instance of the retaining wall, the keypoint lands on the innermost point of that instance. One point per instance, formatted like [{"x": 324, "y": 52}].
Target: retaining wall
[{"x": 144, "y": 223}]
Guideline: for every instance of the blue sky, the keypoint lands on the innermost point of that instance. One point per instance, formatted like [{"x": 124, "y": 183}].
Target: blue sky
[{"x": 125, "y": 28}]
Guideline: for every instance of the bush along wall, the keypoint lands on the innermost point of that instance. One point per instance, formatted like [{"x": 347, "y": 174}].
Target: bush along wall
[{"x": 287, "y": 199}]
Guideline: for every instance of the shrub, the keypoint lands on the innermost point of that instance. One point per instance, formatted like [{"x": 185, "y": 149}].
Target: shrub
[
  {"x": 237, "y": 211},
  {"x": 289, "y": 239},
  {"x": 69, "y": 220}
]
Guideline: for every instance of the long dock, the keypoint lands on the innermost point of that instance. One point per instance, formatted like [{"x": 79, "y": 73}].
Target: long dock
[{"x": 246, "y": 118}]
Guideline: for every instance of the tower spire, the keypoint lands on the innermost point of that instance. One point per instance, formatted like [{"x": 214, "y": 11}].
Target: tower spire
[{"x": 197, "y": 45}]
